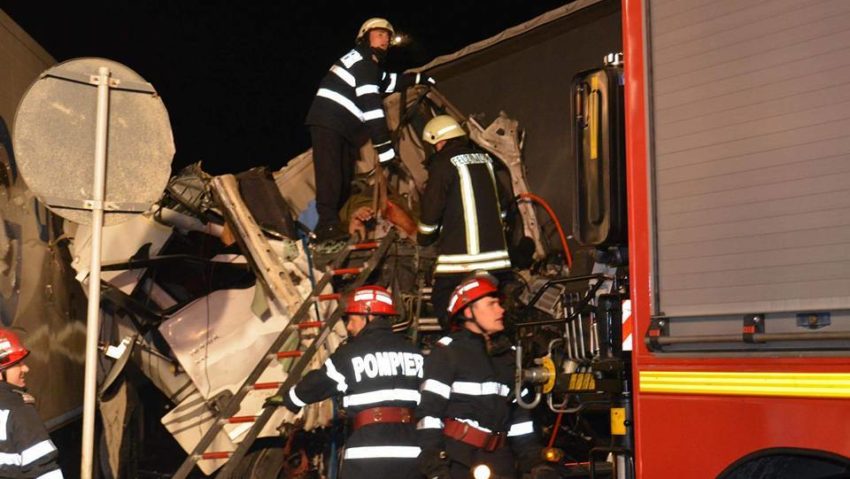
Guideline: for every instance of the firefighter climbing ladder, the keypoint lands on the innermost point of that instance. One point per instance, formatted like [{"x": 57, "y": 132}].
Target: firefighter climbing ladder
[{"x": 226, "y": 414}]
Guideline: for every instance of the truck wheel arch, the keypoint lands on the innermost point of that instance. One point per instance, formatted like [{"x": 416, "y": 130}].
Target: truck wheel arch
[{"x": 787, "y": 463}]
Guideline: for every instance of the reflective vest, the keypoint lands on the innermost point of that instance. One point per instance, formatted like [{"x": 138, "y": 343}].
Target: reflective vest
[{"x": 463, "y": 206}]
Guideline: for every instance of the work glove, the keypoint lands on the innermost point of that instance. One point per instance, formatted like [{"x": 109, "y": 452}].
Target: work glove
[
  {"x": 423, "y": 79},
  {"x": 274, "y": 401},
  {"x": 27, "y": 397},
  {"x": 279, "y": 400},
  {"x": 434, "y": 464}
]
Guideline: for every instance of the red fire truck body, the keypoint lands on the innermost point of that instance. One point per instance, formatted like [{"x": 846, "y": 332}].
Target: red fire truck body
[{"x": 699, "y": 411}]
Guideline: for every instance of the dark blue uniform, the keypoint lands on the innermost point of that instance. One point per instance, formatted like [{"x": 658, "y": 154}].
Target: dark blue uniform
[
  {"x": 348, "y": 110},
  {"x": 466, "y": 384},
  {"x": 375, "y": 369},
  {"x": 26, "y": 450}
]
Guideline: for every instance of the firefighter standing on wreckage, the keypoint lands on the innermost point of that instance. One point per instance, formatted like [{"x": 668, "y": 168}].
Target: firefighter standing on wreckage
[
  {"x": 462, "y": 207},
  {"x": 377, "y": 373},
  {"x": 467, "y": 417},
  {"x": 25, "y": 448},
  {"x": 348, "y": 110}
]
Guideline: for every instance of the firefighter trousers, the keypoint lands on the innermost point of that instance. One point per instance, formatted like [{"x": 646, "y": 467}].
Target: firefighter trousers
[
  {"x": 381, "y": 450},
  {"x": 333, "y": 164}
]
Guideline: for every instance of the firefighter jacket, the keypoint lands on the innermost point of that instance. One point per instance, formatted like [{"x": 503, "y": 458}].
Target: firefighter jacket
[
  {"x": 349, "y": 100},
  {"x": 375, "y": 369},
  {"x": 25, "y": 448},
  {"x": 466, "y": 383},
  {"x": 461, "y": 205}
]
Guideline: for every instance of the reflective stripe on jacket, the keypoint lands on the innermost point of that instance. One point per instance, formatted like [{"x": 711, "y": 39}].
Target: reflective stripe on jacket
[
  {"x": 349, "y": 101},
  {"x": 462, "y": 205},
  {"x": 464, "y": 382}
]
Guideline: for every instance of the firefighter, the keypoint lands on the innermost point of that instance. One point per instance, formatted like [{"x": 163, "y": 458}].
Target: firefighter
[
  {"x": 463, "y": 207},
  {"x": 348, "y": 110},
  {"x": 466, "y": 416},
  {"x": 377, "y": 373},
  {"x": 25, "y": 447}
]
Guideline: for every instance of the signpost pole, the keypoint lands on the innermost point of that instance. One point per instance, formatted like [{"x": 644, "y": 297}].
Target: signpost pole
[
  {"x": 92, "y": 321},
  {"x": 52, "y": 142}
]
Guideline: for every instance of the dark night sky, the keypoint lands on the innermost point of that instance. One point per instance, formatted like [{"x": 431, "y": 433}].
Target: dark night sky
[{"x": 238, "y": 77}]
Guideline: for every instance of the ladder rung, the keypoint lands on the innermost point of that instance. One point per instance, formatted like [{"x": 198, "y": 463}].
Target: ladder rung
[
  {"x": 272, "y": 385},
  {"x": 310, "y": 324},
  {"x": 241, "y": 419},
  {"x": 364, "y": 246},
  {"x": 343, "y": 271},
  {"x": 289, "y": 354},
  {"x": 214, "y": 455},
  {"x": 328, "y": 297},
  {"x": 298, "y": 368}
]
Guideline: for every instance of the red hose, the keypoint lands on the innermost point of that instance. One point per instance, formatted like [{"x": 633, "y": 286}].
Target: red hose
[
  {"x": 555, "y": 429},
  {"x": 540, "y": 201}
]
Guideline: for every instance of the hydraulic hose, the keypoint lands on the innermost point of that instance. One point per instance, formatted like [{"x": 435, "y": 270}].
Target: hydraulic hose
[
  {"x": 540, "y": 201},
  {"x": 555, "y": 429}
]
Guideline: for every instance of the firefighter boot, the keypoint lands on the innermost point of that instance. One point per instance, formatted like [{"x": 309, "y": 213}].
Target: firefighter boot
[{"x": 329, "y": 233}]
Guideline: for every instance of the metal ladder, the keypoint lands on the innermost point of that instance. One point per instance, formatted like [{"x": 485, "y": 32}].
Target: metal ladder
[{"x": 226, "y": 415}]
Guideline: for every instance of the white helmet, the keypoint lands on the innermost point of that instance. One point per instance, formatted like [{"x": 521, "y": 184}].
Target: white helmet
[
  {"x": 441, "y": 127},
  {"x": 372, "y": 24}
]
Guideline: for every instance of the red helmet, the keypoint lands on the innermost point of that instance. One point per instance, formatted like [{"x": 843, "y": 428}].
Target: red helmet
[
  {"x": 11, "y": 350},
  {"x": 471, "y": 290},
  {"x": 370, "y": 300}
]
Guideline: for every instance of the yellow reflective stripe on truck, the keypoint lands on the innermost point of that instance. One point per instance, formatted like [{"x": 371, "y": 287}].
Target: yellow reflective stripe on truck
[{"x": 821, "y": 385}]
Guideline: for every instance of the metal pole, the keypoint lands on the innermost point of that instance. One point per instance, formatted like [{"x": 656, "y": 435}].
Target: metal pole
[{"x": 92, "y": 321}]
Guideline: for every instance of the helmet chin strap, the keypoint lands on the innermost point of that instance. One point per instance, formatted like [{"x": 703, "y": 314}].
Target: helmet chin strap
[
  {"x": 368, "y": 320},
  {"x": 488, "y": 343}
]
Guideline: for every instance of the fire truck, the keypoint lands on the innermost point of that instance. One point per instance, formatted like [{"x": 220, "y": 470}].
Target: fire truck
[
  {"x": 736, "y": 154},
  {"x": 713, "y": 195}
]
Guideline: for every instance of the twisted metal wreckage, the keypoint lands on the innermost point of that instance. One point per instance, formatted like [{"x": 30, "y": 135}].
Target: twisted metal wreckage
[
  {"x": 709, "y": 295},
  {"x": 197, "y": 290},
  {"x": 212, "y": 299}
]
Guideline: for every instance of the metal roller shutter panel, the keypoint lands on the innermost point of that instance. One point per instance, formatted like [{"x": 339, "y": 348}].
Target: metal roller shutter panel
[{"x": 751, "y": 118}]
